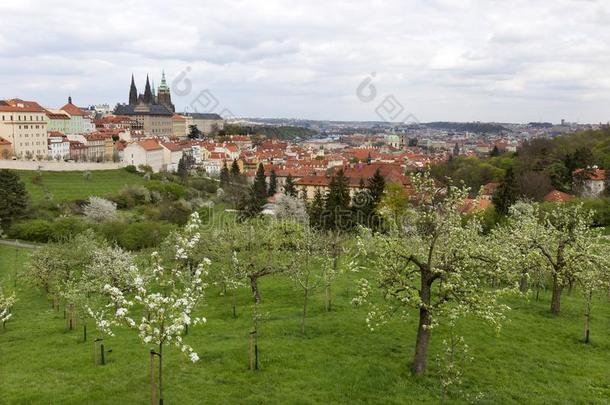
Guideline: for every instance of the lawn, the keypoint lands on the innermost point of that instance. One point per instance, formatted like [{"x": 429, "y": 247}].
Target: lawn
[
  {"x": 536, "y": 358},
  {"x": 67, "y": 186}
]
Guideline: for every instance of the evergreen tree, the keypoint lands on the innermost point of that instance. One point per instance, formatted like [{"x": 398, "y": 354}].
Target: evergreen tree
[
  {"x": 337, "y": 204},
  {"x": 316, "y": 211},
  {"x": 235, "y": 170},
  {"x": 13, "y": 197},
  {"x": 376, "y": 186},
  {"x": 194, "y": 132},
  {"x": 272, "y": 183},
  {"x": 260, "y": 183},
  {"x": 495, "y": 152},
  {"x": 506, "y": 194},
  {"x": 186, "y": 163},
  {"x": 289, "y": 187},
  {"x": 224, "y": 176},
  {"x": 257, "y": 198}
]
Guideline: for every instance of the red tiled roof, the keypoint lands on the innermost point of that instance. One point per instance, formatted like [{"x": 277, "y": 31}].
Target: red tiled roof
[
  {"x": 558, "y": 196},
  {"x": 174, "y": 147},
  {"x": 4, "y": 141},
  {"x": 73, "y": 110},
  {"x": 18, "y": 105},
  {"x": 471, "y": 205},
  {"x": 149, "y": 144},
  {"x": 591, "y": 174}
]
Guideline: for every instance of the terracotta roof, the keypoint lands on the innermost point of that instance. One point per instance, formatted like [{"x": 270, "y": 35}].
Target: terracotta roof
[
  {"x": 18, "y": 105},
  {"x": 73, "y": 110},
  {"x": 313, "y": 181},
  {"x": 174, "y": 147},
  {"x": 4, "y": 142},
  {"x": 471, "y": 205},
  {"x": 558, "y": 196},
  {"x": 149, "y": 144},
  {"x": 591, "y": 174},
  {"x": 178, "y": 117}
]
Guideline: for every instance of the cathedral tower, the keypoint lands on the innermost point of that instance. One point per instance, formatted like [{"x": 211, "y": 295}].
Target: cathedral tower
[
  {"x": 164, "y": 96},
  {"x": 133, "y": 92}
]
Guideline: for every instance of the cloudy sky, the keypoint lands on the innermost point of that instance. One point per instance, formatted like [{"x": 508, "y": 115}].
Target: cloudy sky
[{"x": 488, "y": 60}]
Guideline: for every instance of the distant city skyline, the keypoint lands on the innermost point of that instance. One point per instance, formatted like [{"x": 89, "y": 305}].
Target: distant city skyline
[{"x": 479, "y": 60}]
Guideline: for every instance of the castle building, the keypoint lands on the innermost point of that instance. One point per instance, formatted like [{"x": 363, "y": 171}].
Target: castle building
[
  {"x": 149, "y": 113},
  {"x": 24, "y": 125}
]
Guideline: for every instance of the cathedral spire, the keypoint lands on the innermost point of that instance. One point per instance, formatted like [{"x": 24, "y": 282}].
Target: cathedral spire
[
  {"x": 147, "y": 92},
  {"x": 133, "y": 92}
]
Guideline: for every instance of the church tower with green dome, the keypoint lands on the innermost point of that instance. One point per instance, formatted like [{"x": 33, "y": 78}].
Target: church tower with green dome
[{"x": 163, "y": 94}]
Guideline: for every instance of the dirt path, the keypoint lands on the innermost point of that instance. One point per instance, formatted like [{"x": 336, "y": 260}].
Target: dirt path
[{"x": 16, "y": 243}]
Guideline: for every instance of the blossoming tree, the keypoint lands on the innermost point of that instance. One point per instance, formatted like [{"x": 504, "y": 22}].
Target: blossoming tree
[
  {"x": 434, "y": 262},
  {"x": 560, "y": 241},
  {"x": 165, "y": 297},
  {"x": 6, "y": 306}
]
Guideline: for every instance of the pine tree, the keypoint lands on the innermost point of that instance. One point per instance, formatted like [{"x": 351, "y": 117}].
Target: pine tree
[
  {"x": 289, "y": 187},
  {"x": 224, "y": 175},
  {"x": 257, "y": 198},
  {"x": 260, "y": 183},
  {"x": 337, "y": 204},
  {"x": 376, "y": 186},
  {"x": 506, "y": 194},
  {"x": 272, "y": 183},
  {"x": 235, "y": 170},
  {"x": 495, "y": 151},
  {"x": 185, "y": 164},
  {"x": 316, "y": 210},
  {"x": 13, "y": 197}
]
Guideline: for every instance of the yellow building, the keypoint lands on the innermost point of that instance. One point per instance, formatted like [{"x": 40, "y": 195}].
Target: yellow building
[{"x": 24, "y": 125}]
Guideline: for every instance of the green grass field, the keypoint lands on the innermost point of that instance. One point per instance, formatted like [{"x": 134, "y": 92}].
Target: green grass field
[
  {"x": 536, "y": 358},
  {"x": 67, "y": 186}
]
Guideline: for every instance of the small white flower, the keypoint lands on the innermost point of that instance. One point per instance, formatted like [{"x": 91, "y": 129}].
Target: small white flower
[{"x": 194, "y": 357}]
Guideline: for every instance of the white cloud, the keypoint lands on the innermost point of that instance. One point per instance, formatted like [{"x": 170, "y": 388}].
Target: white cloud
[{"x": 442, "y": 59}]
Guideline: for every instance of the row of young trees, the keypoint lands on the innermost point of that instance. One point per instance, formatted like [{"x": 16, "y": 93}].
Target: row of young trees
[
  {"x": 428, "y": 257},
  {"x": 440, "y": 263}
]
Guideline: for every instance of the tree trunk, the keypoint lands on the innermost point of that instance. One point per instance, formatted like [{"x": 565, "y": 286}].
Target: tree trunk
[
  {"x": 305, "y": 296},
  {"x": 556, "y": 298},
  {"x": 588, "y": 316},
  {"x": 328, "y": 297},
  {"x": 161, "y": 374},
  {"x": 255, "y": 292},
  {"x": 234, "y": 303},
  {"x": 523, "y": 283},
  {"x": 423, "y": 330}
]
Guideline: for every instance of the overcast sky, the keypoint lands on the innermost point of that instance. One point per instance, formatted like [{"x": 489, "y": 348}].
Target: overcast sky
[{"x": 507, "y": 61}]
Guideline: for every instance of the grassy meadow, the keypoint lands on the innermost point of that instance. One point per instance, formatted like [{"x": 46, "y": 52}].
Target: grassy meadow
[
  {"x": 67, "y": 186},
  {"x": 536, "y": 358}
]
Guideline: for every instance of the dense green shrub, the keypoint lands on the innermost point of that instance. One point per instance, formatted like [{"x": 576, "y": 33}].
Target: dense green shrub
[
  {"x": 205, "y": 185},
  {"x": 177, "y": 212},
  {"x": 141, "y": 235},
  {"x": 35, "y": 230},
  {"x": 131, "y": 169},
  {"x": 111, "y": 230},
  {"x": 601, "y": 207},
  {"x": 133, "y": 195},
  {"x": 169, "y": 190},
  {"x": 66, "y": 227}
]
